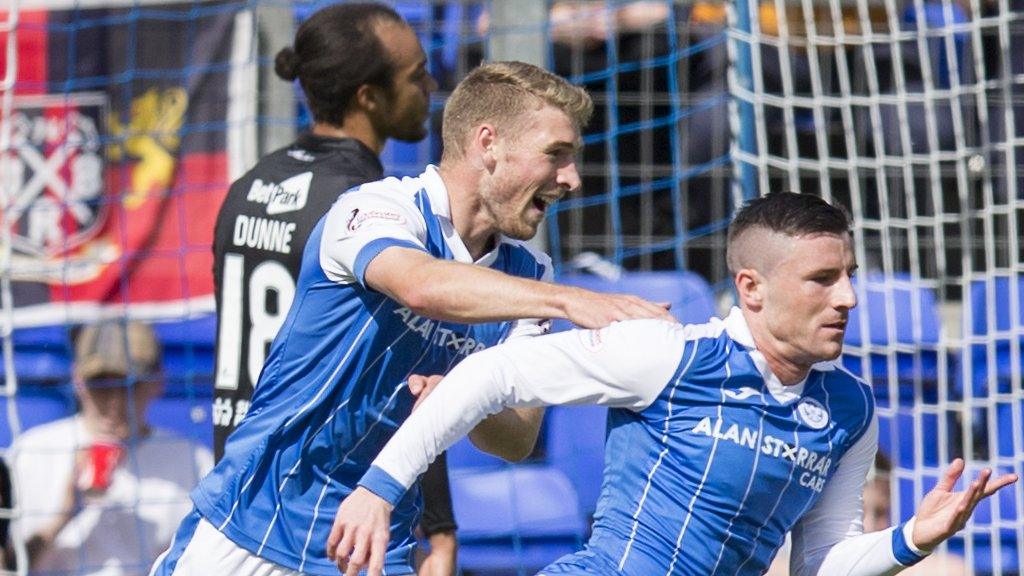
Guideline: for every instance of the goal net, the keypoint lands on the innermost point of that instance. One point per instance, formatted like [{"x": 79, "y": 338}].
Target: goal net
[{"x": 911, "y": 114}]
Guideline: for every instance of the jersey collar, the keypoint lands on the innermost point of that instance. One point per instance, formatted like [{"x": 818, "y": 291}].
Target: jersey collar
[
  {"x": 440, "y": 204},
  {"x": 737, "y": 328}
]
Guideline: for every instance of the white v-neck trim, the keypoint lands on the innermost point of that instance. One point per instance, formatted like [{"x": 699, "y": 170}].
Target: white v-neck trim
[
  {"x": 440, "y": 204},
  {"x": 736, "y": 326}
]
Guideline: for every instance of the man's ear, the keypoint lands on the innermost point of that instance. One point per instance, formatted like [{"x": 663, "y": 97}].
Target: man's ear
[
  {"x": 750, "y": 288},
  {"x": 485, "y": 139},
  {"x": 370, "y": 98}
]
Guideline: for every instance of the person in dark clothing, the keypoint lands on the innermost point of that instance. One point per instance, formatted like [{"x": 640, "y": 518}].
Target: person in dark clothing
[{"x": 363, "y": 72}]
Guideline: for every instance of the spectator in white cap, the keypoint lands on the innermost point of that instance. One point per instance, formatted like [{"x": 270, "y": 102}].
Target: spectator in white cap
[{"x": 101, "y": 492}]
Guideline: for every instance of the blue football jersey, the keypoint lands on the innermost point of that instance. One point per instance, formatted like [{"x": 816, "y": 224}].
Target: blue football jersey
[
  {"x": 710, "y": 460},
  {"x": 332, "y": 390},
  {"x": 719, "y": 468}
]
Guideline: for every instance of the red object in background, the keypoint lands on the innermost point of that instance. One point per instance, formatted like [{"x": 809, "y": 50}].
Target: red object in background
[{"x": 99, "y": 467}]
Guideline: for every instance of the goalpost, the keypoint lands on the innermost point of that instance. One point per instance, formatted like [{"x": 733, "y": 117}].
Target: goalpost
[{"x": 911, "y": 113}]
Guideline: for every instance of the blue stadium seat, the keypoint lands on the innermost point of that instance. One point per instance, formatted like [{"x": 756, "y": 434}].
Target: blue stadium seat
[
  {"x": 35, "y": 405},
  {"x": 189, "y": 416},
  {"x": 521, "y": 516},
  {"x": 690, "y": 295},
  {"x": 893, "y": 322},
  {"x": 575, "y": 445},
  {"x": 1002, "y": 334},
  {"x": 188, "y": 351},
  {"x": 42, "y": 354}
]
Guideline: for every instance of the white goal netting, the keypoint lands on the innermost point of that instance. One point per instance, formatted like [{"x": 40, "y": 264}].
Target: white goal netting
[{"x": 910, "y": 113}]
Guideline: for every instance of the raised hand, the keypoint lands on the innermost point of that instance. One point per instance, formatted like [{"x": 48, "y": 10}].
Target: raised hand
[
  {"x": 596, "y": 310},
  {"x": 943, "y": 512},
  {"x": 359, "y": 536}
]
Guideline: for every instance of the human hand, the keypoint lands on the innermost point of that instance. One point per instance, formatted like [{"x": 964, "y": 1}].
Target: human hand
[
  {"x": 360, "y": 534},
  {"x": 442, "y": 558},
  {"x": 422, "y": 386},
  {"x": 589, "y": 309},
  {"x": 943, "y": 512}
]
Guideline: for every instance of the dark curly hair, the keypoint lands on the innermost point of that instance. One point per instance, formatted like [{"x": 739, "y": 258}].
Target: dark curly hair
[{"x": 336, "y": 51}]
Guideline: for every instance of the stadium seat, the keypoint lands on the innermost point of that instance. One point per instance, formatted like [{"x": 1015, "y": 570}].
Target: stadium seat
[
  {"x": 41, "y": 354},
  {"x": 690, "y": 295},
  {"x": 575, "y": 445},
  {"x": 520, "y": 516},
  {"x": 35, "y": 405},
  {"x": 188, "y": 351},
  {"x": 910, "y": 334},
  {"x": 187, "y": 415},
  {"x": 999, "y": 370}
]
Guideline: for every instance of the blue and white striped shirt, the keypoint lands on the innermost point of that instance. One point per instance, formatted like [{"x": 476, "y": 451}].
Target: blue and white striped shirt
[
  {"x": 710, "y": 460},
  {"x": 332, "y": 390}
]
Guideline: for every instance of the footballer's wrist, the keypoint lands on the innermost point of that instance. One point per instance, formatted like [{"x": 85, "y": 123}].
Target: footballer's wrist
[
  {"x": 903, "y": 547},
  {"x": 383, "y": 485}
]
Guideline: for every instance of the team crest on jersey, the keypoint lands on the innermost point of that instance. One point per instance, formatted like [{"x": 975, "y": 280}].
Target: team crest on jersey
[
  {"x": 812, "y": 413},
  {"x": 55, "y": 168},
  {"x": 359, "y": 218}
]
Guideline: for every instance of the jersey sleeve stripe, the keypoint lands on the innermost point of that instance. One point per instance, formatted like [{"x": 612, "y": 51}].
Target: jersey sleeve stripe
[{"x": 372, "y": 249}]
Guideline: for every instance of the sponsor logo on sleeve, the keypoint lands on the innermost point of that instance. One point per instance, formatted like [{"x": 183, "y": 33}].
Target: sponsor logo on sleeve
[
  {"x": 360, "y": 218},
  {"x": 592, "y": 340}
]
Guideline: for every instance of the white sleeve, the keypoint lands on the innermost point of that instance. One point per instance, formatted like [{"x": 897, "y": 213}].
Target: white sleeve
[
  {"x": 625, "y": 365},
  {"x": 364, "y": 222},
  {"x": 830, "y": 540}
]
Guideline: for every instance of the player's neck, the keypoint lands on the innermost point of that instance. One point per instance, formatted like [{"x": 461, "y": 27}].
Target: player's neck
[
  {"x": 778, "y": 355},
  {"x": 469, "y": 216},
  {"x": 356, "y": 127}
]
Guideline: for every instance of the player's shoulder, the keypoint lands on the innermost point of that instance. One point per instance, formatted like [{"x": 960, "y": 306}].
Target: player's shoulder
[
  {"x": 390, "y": 190},
  {"x": 840, "y": 380},
  {"x": 648, "y": 332},
  {"x": 848, "y": 395}
]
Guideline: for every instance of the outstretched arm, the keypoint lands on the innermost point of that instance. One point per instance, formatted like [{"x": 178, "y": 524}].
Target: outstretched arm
[
  {"x": 829, "y": 540},
  {"x": 625, "y": 365},
  {"x": 456, "y": 292}
]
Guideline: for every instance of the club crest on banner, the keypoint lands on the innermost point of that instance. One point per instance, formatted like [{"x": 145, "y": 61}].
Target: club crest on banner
[{"x": 56, "y": 169}]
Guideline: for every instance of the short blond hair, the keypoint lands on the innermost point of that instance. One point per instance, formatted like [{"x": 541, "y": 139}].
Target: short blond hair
[{"x": 499, "y": 92}]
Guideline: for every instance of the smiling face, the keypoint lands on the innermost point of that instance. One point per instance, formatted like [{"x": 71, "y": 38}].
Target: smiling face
[
  {"x": 533, "y": 168},
  {"x": 807, "y": 294}
]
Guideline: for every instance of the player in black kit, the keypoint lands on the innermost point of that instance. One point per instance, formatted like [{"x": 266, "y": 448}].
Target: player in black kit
[{"x": 363, "y": 72}]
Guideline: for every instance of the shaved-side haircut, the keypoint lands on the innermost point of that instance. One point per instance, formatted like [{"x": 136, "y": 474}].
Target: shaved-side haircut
[{"x": 788, "y": 214}]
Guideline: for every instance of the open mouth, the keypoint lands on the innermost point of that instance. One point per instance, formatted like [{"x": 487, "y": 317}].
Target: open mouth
[{"x": 541, "y": 203}]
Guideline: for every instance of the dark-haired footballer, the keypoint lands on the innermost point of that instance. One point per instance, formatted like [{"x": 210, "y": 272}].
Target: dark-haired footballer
[{"x": 722, "y": 437}]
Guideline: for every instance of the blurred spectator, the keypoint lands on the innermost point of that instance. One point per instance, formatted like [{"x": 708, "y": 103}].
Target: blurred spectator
[
  {"x": 877, "y": 514},
  {"x": 101, "y": 492}
]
